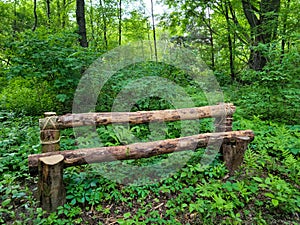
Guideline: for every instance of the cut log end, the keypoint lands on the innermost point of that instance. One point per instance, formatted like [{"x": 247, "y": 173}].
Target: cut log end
[
  {"x": 52, "y": 160},
  {"x": 47, "y": 114}
]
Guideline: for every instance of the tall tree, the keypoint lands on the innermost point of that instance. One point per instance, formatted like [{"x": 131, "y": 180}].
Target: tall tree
[
  {"x": 263, "y": 23},
  {"x": 80, "y": 18},
  {"x": 120, "y": 22},
  {"x": 35, "y": 16},
  {"x": 229, "y": 39},
  {"x": 154, "y": 31},
  {"x": 48, "y": 12},
  {"x": 284, "y": 30},
  {"x": 102, "y": 3}
]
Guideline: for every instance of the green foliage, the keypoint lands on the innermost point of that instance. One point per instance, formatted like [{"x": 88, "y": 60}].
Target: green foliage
[
  {"x": 50, "y": 63},
  {"x": 160, "y": 95},
  {"x": 19, "y": 96}
]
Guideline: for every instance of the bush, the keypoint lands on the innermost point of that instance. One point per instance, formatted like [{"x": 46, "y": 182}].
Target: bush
[{"x": 27, "y": 96}]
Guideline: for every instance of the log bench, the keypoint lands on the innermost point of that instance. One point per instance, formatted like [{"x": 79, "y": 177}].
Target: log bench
[{"x": 50, "y": 163}]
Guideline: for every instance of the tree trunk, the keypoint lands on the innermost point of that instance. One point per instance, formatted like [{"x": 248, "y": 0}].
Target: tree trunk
[
  {"x": 104, "y": 24},
  {"x": 63, "y": 24},
  {"x": 154, "y": 31},
  {"x": 48, "y": 12},
  {"x": 230, "y": 46},
  {"x": 283, "y": 41},
  {"x": 138, "y": 150},
  {"x": 80, "y": 18},
  {"x": 263, "y": 29},
  {"x": 211, "y": 41},
  {"x": 92, "y": 20},
  {"x": 58, "y": 13},
  {"x": 120, "y": 22},
  {"x": 35, "y": 16}
]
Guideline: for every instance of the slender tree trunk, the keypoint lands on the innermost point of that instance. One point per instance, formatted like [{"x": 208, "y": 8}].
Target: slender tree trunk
[
  {"x": 149, "y": 38},
  {"x": 92, "y": 20},
  {"x": 58, "y": 12},
  {"x": 154, "y": 31},
  {"x": 230, "y": 45},
  {"x": 104, "y": 24},
  {"x": 35, "y": 16},
  {"x": 283, "y": 41},
  {"x": 63, "y": 24},
  {"x": 211, "y": 41},
  {"x": 14, "y": 25},
  {"x": 120, "y": 22},
  {"x": 80, "y": 17},
  {"x": 48, "y": 12}
]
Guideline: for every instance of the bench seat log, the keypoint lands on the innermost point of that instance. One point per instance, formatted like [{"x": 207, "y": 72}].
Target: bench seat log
[
  {"x": 105, "y": 118},
  {"x": 138, "y": 150}
]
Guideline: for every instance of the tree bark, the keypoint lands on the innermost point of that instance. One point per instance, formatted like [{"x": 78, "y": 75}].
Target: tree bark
[
  {"x": 263, "y": 29},
  {"x": 63, "y": 24},
  {"x": 283, "y": 41},
  {"x": 230, "y": 45},
  {"x": 138, "y": 150},
  {"x": 48, "y": 12},
  {"x": 80, "y": 18},
  {"x": 35, "y": 16},
  {"x": 120, "y": 22},
  {"x": 92, "y": 20},
  {"x": 105, "y": 118},
  {"x": 212, "y": 55},
  {"x": 154, "y": 30}
]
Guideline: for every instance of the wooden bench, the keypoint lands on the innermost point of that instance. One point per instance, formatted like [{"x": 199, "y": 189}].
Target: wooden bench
[{"x": 50, "y": 163}]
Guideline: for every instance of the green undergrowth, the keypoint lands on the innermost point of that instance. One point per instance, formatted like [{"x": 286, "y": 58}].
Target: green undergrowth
[{"x": 265, "y": 190}]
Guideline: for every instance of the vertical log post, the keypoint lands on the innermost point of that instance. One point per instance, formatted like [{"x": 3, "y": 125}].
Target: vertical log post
[
  {"x": 224, "y": 124},
  {"x": 51, "y": 190},
  {"x": 49, "y": 138},
  {"x": 233, "y": 153}
]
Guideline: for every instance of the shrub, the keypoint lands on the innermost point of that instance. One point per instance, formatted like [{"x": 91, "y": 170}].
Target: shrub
[{"x": 26, "y": 96}]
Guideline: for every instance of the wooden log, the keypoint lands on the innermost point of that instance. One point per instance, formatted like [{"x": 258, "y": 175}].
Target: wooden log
[
  {"x": 49, "y": 137},
  {"x": 104, "y": 118},
  {"x": 50, "y": 185},
  {"x": 137, "y": 150},
  {"x": 233, "y": 152}
]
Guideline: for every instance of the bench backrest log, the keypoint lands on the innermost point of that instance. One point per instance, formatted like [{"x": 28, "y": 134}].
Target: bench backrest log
[{"x": 50, "y": 163}]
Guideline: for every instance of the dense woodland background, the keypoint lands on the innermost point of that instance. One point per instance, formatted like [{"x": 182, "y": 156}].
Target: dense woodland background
[{"x": 252, "y": 46}]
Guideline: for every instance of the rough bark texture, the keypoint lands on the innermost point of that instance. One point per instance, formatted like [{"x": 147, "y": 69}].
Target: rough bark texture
[
  {"x": 80, "y": 18},
  {"x": 233, "y": 152},
  {"x": 92, "y": 119},
  {"x": 263, "y": 28},
  {"x": 138, "y": 150},
  {"x": 51, "y": 188}
]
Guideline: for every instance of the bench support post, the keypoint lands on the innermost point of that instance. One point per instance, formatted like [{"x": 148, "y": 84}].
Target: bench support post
[
  {"x": 51, "y": 190},
  {"x": 233, "y": 153},
  {"x": 49, "y": 138}
]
